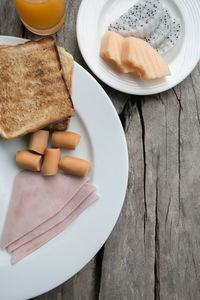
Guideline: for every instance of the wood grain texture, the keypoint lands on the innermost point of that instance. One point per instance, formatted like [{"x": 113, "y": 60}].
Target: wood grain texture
[
  {"x": 154, "y": 249},
  {"x": 10, "y": 23},
  {"x": 170, "y": 145},
  {"x": 128, "y": 262},
  {"x": 160, "y": 115}
]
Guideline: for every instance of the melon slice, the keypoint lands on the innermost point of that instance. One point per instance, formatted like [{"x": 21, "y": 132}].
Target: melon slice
[
  {"x": 111, "y": 49},
  {"x": 133, "y": 55},
  {"x": 138, "y": 54}
]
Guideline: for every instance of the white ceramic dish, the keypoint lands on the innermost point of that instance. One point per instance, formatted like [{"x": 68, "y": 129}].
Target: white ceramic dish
[
  {"x": 103, "y": 143},
  {"x": 93, "y": 20}
]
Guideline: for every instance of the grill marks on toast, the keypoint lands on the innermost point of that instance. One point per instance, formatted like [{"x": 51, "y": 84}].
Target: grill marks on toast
[{"x": 33, "y": 90}]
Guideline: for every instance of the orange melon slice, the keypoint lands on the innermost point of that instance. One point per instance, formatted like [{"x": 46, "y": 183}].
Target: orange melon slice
[
  {"x": 138, "y": 54},
  {"x": 111, "y": 49},
  {"x": 133, "y": 55}
]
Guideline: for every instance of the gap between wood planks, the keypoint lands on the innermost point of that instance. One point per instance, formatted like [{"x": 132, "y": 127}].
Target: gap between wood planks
[
  {"x": 157, "y": 246},
  {"x": 139, "y": 103}
]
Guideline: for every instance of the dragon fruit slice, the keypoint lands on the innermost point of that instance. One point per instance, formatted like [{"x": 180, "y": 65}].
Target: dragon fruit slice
[
  {"x": 162, "y": 30},
  {"x": 140, "y": 20},
  {"x": 171, "y": 38}
]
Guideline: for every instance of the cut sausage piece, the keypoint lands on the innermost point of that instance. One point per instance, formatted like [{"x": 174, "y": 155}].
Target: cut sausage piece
[
  {"x": 38, "y": 141},
  {"x": 28, "y": 161},
  {"x": 65, "y": 140},
  {"x": 73, "y": 165},
  {"x": 36, "y": 243},
  {"x": 80, "y": 196},
  {"x": 34, "y": 200},
  {"x": 50, "y": 162}
]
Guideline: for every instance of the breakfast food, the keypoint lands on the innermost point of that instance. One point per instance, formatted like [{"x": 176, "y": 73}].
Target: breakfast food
[
  {"x": 65, "y": 140},
  {"x": 140, "y": 20},
  {"x": 4, "y": 46},
  {"x": 28, "y": 161},
  {"x": 156, "y": 37},
  {"x": 111, "y": 48},
  {"x": 33, "y": 90},
  {"x": 133, "y": 55},
  {"x": 50, "y": 162},
  {"x": 42, "y": 207},
  {"x": 36, "y": 84},
  {"x": 74, "y": 166},
  {"x": 67, "y": 63},
  {"x": 139, "y": 55},
  {"x": 35, "y": 199},
  {"x": 171, "y": 38},
  {"x": 39, "y": 241},
  {"x": 149, "y": 20},
  {"x": 38, "y": 141},
  {"x": 86, "y": 190}
]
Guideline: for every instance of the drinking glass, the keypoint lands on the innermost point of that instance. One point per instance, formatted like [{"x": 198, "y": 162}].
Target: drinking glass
[{"x": 42, "y": 17}]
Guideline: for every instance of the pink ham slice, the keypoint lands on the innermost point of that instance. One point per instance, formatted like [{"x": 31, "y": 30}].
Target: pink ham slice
[
  {"x": 39, "y": 241},
  {"x": 34, "y": 200},
  {"x": 80, "y": 196}
]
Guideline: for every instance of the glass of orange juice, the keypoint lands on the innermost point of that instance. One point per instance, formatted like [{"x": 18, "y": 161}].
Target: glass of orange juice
[{"x": 42, "y": 17}]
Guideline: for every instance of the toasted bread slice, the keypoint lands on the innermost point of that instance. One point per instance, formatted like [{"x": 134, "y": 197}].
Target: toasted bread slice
[
  {"x": 4, "y": 46},
  {"x": 67, "y": 62},
  {"x": 33, "y": 89}
]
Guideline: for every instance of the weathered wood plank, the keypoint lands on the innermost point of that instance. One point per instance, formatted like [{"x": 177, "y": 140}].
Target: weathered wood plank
[
  {"x": 172, "y": 143},
  {"x": 10, "y": 23},
  {"x": 128, "y": 261},
  {"x": 160, "y": 115},
  {"x": 187, "y": 266}
]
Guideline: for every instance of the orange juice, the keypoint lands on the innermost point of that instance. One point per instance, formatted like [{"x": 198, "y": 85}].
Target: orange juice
[{"x": 41, "y": 16}]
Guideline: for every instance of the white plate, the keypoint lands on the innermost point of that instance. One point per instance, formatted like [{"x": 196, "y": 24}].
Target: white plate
[
  {"x": 104, "y": 144},
  {"x": 93, "y": 20}
]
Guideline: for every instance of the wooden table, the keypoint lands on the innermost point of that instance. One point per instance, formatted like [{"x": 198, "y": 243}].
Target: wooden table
[{"x": 154, "y": 249}]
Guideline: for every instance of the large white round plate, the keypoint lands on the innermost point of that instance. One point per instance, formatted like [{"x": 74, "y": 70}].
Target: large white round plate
[
  {"x": 104, "y": 144},
  {"x": 93, "y": 20}
]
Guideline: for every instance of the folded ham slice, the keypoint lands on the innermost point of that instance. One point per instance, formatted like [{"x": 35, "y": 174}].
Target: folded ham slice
[
  {"x": 35, "y": 199},
  {"x": 80, "y": 196},
  {"x": 31, "y": 246}
]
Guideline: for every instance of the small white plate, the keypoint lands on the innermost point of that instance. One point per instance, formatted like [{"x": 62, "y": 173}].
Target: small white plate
[
  {"x": 103, "y": 143},
  {"x": 93, "y": 20}
]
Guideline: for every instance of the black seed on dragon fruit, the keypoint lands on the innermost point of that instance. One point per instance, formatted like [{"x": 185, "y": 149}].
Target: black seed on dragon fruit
[
  {"x": 146, "y": 12},
  {"x": 171, "y": 39},
  {"x": 162, "y": 30},
  {"x": 149, "y": 20}
]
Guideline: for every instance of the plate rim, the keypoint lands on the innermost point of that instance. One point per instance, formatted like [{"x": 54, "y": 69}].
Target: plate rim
[{"x": 126, "y": 167}]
